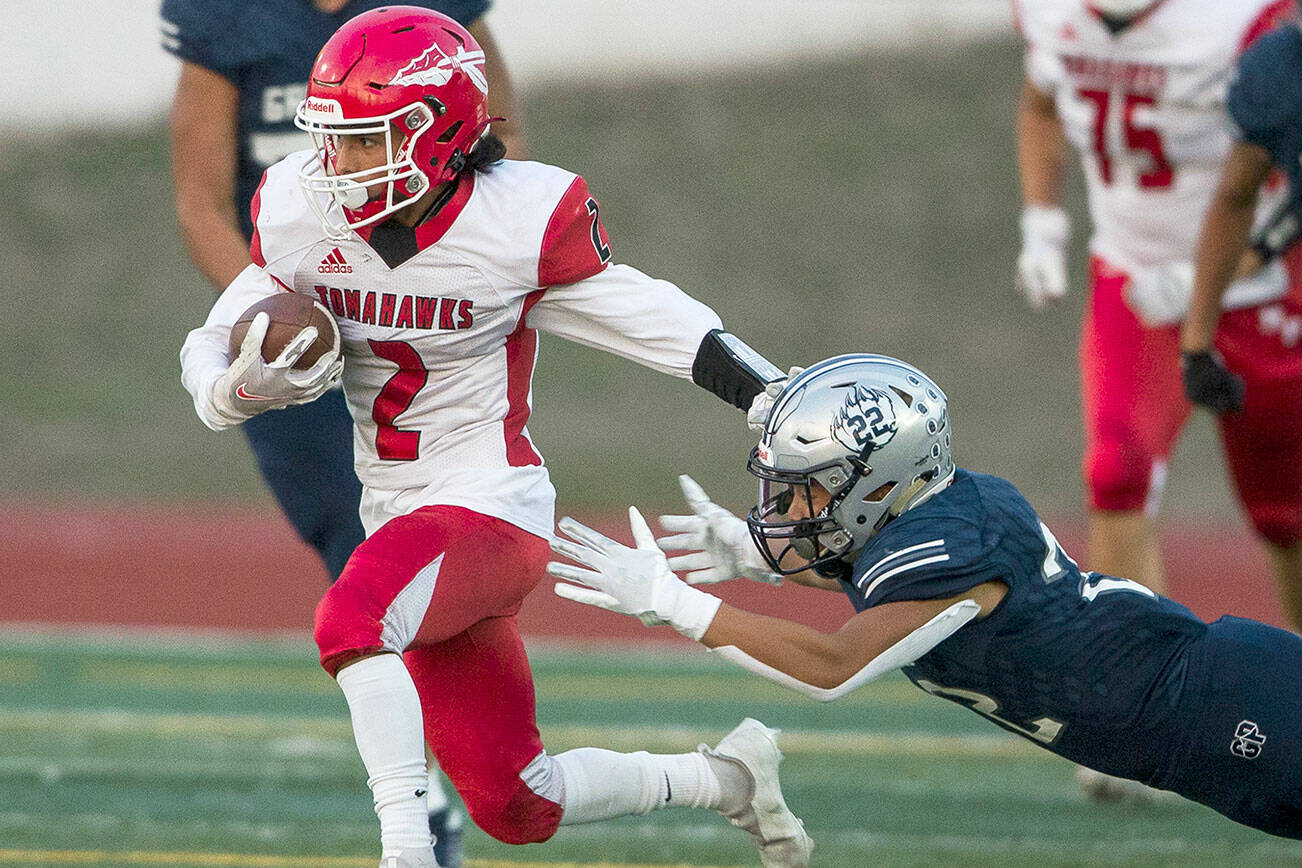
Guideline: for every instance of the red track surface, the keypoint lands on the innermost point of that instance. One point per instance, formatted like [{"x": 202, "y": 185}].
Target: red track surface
[{"x": 213, "y": 566}]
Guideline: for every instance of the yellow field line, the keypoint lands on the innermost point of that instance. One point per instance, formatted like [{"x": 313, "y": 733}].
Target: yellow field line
[{"x": 252, "y": 860}]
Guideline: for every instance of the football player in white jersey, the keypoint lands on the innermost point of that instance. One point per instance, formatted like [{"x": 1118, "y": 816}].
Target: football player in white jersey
[
  {"x": 1138, "y": 89},
  {"x": 440, "y": 262}
]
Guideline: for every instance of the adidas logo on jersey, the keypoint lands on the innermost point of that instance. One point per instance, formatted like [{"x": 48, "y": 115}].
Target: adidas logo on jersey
[{"x": 335, "y": 264}]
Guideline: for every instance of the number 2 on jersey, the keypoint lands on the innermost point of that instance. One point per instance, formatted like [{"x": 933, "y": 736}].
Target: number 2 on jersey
[
  {"x": 391, "y": 442},
  {"x": 1137, "y": 138}
]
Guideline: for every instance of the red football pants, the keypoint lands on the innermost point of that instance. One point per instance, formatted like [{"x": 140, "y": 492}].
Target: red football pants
[
  {"x": 443, "y": 584},
  {"x": 1133, "y": 403}
]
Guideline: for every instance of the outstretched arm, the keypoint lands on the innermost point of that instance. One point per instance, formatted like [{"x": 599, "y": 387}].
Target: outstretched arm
[
  {"x": 638, "y": 582},
  {"x": 826, "y": 666},
  {"x": 653, "y": 322}
]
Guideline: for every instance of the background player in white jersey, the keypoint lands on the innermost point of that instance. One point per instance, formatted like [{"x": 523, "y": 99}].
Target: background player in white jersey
[
  {"x": 440, "y": 262},
  {"x": 1138, "y": 88}
]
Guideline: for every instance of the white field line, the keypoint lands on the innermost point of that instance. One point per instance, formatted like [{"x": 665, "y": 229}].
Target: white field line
[{"x": 649, "y": 737}]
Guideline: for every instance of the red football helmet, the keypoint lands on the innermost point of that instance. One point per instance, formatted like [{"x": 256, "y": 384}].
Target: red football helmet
[{"x": 416, "y": 76}]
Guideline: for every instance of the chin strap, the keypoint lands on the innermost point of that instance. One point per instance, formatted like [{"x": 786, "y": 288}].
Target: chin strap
[{"x": 902, "y": 653}]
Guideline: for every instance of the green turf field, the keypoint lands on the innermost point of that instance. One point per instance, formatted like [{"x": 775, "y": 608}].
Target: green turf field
[{"x": 183, "y": 753}]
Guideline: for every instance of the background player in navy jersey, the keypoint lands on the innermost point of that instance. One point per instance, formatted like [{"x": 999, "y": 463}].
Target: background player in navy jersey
[
  {"x": 244, "y": 71},
  {"x": 1265, "y": 103},
  {"x": 954, "y": 579}
]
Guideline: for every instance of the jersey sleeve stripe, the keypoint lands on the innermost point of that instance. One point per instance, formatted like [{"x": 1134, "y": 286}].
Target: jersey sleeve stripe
[
  {"x": 1270, "y": 17},
  {"x": 255, "y": 243},
  {"x": 521, "y": 355},
  {"x": 894, "y": 556},
  {"x": 922, "y": 562}
]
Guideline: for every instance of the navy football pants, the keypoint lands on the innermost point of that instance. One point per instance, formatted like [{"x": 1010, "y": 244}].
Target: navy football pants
[
  {"x": 1242, "y": 711},
  {"x": 305, "y": 454}
]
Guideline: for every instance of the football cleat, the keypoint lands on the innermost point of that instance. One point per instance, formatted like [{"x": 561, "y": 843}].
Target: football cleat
[
  {"x": 445, "y": 826},
  {"x": 779, "y": 833},
  {"x": 411, "y": 859}
]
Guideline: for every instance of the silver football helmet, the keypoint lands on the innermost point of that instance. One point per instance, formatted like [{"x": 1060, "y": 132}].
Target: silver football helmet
[{"x": 872, "y": 431}]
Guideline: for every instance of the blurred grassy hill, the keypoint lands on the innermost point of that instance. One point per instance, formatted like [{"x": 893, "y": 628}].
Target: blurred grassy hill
[{"x": 858, "y": 205}]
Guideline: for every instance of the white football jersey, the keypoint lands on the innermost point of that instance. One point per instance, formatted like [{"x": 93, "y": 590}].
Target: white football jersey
[
  {"x": 440, "y": 348},
  {"x": 1145, "y": 109}
]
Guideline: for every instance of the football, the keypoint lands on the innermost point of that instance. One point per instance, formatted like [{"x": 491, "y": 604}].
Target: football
[{"x": 290, "y": 313}]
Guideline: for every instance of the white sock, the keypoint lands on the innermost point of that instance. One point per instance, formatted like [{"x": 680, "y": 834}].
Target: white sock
[
  {"x": 600, "y": 784},
  {"x": 388, "y": 728}
]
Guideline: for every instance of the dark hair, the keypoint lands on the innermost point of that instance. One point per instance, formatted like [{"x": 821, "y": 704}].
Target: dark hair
[{"x": 487, "y": 151}]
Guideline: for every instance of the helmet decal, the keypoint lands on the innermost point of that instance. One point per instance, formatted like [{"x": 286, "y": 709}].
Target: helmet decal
[
  {"x": 434, "y": 67},
  {"x": 867, "y": 417}
]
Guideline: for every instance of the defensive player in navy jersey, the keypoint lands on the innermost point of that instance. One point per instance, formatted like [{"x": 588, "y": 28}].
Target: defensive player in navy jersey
[
  {"x": 1265, "y": 104},
  {"x": 244, "y": 71},
  {"x": 955, "y": 579}
]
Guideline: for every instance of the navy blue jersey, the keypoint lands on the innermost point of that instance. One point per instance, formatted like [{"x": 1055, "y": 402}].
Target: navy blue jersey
[
  {"x": 1089, "y": 666},
  {"x": 266, "y": 48},
  {"x": 1265, "y": 100}
]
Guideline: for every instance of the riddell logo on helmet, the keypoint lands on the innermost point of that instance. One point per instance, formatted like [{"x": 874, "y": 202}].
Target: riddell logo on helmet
[
  {"x": 334, "y": 264},
  {"x": 324, "y": 106}
]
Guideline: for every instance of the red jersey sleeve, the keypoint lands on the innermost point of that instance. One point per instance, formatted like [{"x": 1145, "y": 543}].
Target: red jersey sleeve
[{"x": 575, "y": 244}]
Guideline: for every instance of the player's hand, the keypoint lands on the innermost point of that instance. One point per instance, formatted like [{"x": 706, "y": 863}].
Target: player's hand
[
  {"x": 1209, "y": 383},
  {"x": 251, "y": 385},
  {"x": 1042, "y": 265},
  {"x": 720, "y": 543},
  {"x": 758, "y": 414},
  {"x": 1160, "y": 295},
  {"x": 634, "y": 581}
]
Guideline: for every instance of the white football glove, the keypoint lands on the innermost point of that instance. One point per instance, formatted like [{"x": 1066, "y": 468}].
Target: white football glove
[
  {"x": 629, "y": 581},
  {"x": 721, "y": 543},
  {"x": 762, "y": 404},
  {"x": 251, "y": 386},
  {"x": 1042, "y": 265}
]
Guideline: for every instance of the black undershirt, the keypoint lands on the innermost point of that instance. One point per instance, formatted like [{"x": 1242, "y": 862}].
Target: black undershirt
[{"x": 395, "y": 242}]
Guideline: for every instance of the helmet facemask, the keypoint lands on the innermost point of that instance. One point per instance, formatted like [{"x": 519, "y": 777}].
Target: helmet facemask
[
  {"x": 867, "y": 438},
  {"x": 343, "y": 201},
  {"x": 815, "y": 539},
  {"x": 411, "y": 75}
]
